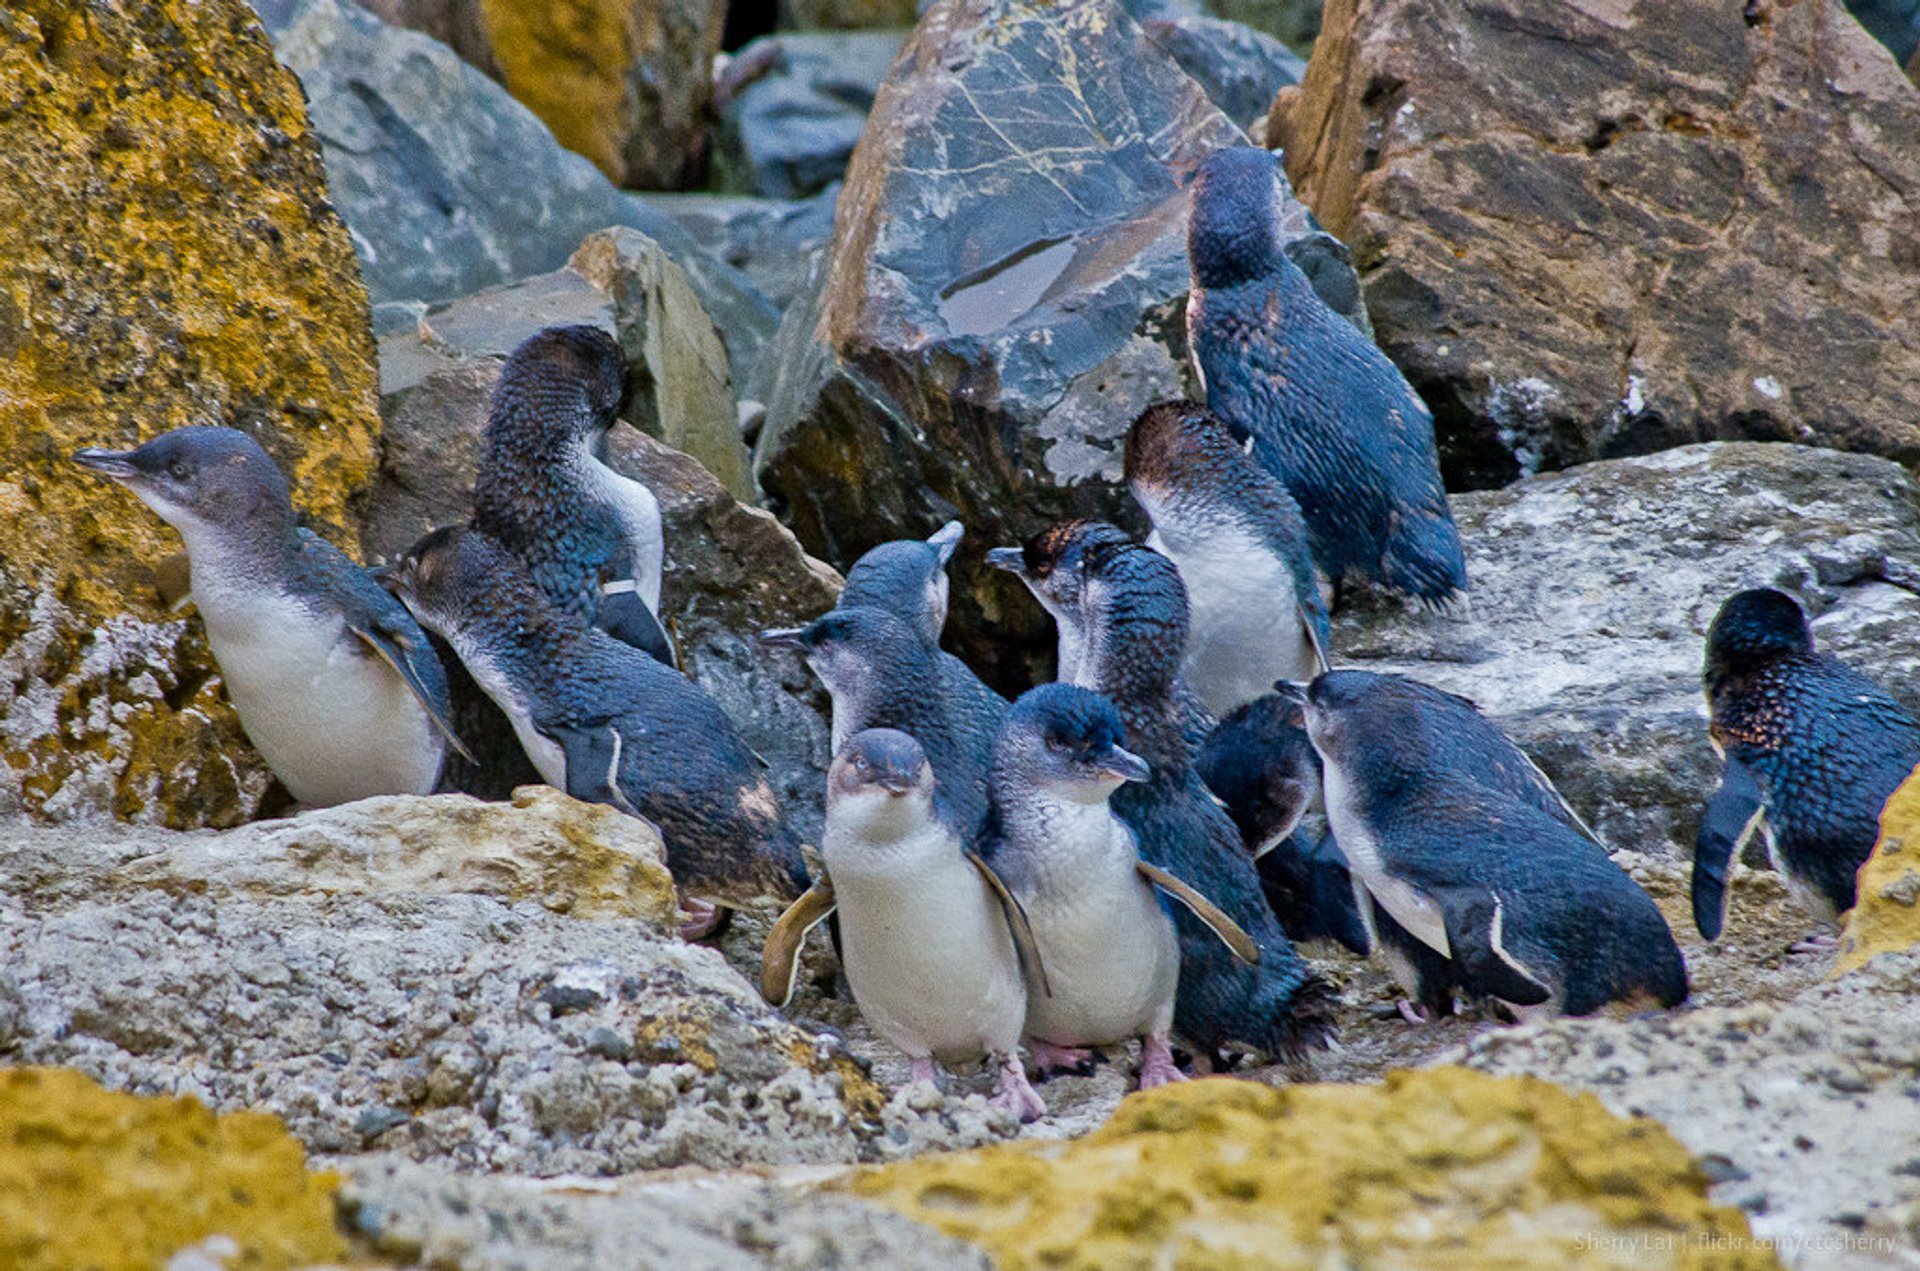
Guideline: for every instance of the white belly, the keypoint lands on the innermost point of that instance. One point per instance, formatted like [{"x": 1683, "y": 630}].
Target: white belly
[
  {"x": 1112, "y": 959},
  {"x": 1410, "y": 907},
  {"x": 1245, "y": 630},
  {"x": 542, "y": 751},
  {"x": 927, "y": 952},
  {"x": 639, "y": 514},
  {"x": 333, "y": 721}
]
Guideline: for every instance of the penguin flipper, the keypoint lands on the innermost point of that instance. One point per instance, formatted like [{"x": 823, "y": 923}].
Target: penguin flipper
[
  {"x": 1314, "y": 624},
  {"x": 1205, "y": 910},
  {"x": 625, "y": 617},
  {"x": 1023, "y": 942},
  {"x": 780, "y": 958},
  {"x": 1473, "y": 918},
  {"x": 396, "y": 646},
  {"x": 592, "y": 754},
  {"x": 1733, "y": 814}
]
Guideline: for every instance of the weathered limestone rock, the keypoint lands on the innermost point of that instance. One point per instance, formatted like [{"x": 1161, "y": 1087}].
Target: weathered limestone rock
[
  {"x": 1589, "y": 230},
  {"x": 450, "y": 185},
  {"x": 624, "y": 82},
  {"x": 171, "y": 259},
  {"x": 958, "y": 360},
  {"x": 1887, "y": 917},
  {"x": 1592, "y": 591},
  {"x": 789, "y": 132},
  {"x": 1433, "y": 1167},
  {"x": 89, "y": 1178}
]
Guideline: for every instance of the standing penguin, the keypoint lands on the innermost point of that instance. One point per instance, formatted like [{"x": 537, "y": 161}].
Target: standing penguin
[
  {"x": 1813, "y": 751},
  {"x": 1526, "y": 909},
  {"x": 605, "y": 722},
  {"x": 908, "y": 578},
  {"x": 1122, "y": 614},
  {"x": 334, "y": 682},
  {"x": 936, "y": 950},
  {"x": 1328, "y": 414},
  {"x": 881, "y": 673},
  {"x": 1241, "y": 547},
  {"x": 1111, "y": 953}
]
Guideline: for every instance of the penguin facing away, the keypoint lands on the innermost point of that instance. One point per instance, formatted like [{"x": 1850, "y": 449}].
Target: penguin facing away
[
  {"x": 333, "y": 680},
  {"x": 936, "y": 950},
  {"x": 1112, "y": 955},
  {"x": 605, "y": 722},
  {"x": 1241, "y": 547},
  {"x": 1122, "y": 614},
  {"x": 1327, "y": 413},
  {"x": 1526, "y": 909},
  {"x": 1813, "y": 751}
]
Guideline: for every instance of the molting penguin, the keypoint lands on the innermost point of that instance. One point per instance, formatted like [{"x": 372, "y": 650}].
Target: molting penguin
[
  {"x": 1527, "y": 909},
  {"x": 1237, "y": 537},
  {"x": 935, "y": 948},
  {"x": 1813, "y": 750},
  {"x": 334, "y": 682},
  {"x": 1122, "y": 614},
  {"x": 1111, "y": 953},
  {"x": 881, "y": 673},
  {"x": 590, "y": 537},
  {"x": 908, "y": 578},
  {"x": 605, "y": 722},
  {"x": 1327, "y": 412}
]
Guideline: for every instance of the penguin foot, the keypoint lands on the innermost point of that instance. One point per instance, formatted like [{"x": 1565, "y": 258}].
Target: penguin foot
[
  {"x": 1822, "y": 942},
  {"x": 704, "y": 920},
  {"x": 925, "y": 1070},
  {"x": 1412, "y": 1012},
  {"x": 1156, "y": 1062},
  {"x": 1012, "y": 1092},
  {"x": 1050, "y": 1060}
]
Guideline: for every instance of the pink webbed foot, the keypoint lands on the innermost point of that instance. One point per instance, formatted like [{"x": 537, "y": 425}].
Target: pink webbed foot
[
  {"x": 1412, "y": 1013},
  {"x": 1050, "y": 1060},
  {"x": 1822, "y": 942},
  {"x": 925, "y": 1070},
  {"x": 1156, "y": 1062},
  {"x": 703, "y": 920},
  {"x": 1012, "y": 1092}
]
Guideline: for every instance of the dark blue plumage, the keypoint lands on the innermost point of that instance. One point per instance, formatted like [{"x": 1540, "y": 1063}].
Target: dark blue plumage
[
  {"x": 1123, "y": 619},
  {"x": 605, "y": 722},
  {"x": 1813, "y": 749},
  {"x": 1329, "y": 414},
  {"x": 1457, "y": 837}
]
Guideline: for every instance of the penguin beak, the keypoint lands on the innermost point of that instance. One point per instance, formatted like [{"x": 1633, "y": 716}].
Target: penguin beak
[
  {"x": 895, "y": 782},
  {"x": 1288, "y": 691},
  {"x": 1010, "y": 559},
  {"x": 1126, "y": 765},
  {"x": 945, "y": 539},
  {"x": 108, "y": 463},
  {"x": 785, "y": 638}
]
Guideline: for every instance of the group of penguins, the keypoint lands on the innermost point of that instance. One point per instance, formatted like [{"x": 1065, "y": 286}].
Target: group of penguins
[{"x": 1129, "y": 852}]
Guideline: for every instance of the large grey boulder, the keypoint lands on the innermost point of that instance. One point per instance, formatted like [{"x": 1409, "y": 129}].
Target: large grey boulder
[
  {"x": 1592, "y": 590},
  {"x": 1240, "y": 68},
  {"x": 771, "y": 241},
  {"x": 449, "y": 185},
  {"x": 789, "y": 131}
]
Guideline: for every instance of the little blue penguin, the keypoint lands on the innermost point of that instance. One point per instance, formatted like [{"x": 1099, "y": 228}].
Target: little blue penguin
[
  {"x": 935, "y": 948},
  {"x": 881, "y": 673},
  {"x": 1237, "y": 537},
  {"x": 605, "y": 722},
  {"x": 1527, "y": 909},
  {"x": 590, "y": 537},
  {"x": 1327, "y": 413},
  {"x": 908, "y": 578},
  {"x": 1813, "y": 751},
  {"x": 1122, "y": 616},
  {"x": 333, "y": 681},
  {"x": 1111, "y": 953}
]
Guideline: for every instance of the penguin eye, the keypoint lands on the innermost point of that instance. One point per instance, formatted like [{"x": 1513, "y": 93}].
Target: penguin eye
[{"x": 178, "y": 469}]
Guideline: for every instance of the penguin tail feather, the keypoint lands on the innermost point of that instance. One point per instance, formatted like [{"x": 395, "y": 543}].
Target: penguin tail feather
[{"x": 1305, "y": 1020}]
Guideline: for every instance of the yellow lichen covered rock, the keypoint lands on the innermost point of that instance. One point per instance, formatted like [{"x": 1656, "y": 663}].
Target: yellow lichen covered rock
[
  {"x": 1440, "y": 1167},
  {"x": 169, "y": 258},
  {"x": 1886, "y": 917},
  {"x": 90, "y": 1178}
]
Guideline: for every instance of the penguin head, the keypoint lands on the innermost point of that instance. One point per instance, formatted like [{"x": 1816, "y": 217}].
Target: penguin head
[
  {"x": 1058, "y": 565},
  {"x": 1174, "y": 441},
  {"x": 847, "y": 647},
  {"x": 908, "y": 578},
  {"x": 881, "y": 784},
  {"x": 1756, "y": 626},
  {"x": 1233, "y": 219},
  {"x": 1260, "y": 763},
  {"x": 454, "y": 575},
  {"x": 202, "y": 481},
  {"x": 563, "y": 386},
  {"x": 1070, "y": 740}
]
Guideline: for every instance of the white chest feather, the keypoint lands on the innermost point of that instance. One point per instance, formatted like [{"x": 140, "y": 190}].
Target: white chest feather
[
  {"x": 542, "y": 751},
  {"x": 639, "y": 514},
  {"x": 1410, "y": 907}
]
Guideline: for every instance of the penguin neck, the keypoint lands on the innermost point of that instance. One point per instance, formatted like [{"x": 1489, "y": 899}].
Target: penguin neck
[
  {"x": 508, "y": 637},
  {"x": 227, "y": 564},
  {"x": 528, "y": 465},
  {"x": 1052, "y": 840}
]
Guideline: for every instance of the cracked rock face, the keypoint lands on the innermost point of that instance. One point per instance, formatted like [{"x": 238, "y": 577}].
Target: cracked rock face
[
  {"x": 956, "y": 359},
  {"x": 1588, "y": 230},
  {"x": 1592, "y": 590}
]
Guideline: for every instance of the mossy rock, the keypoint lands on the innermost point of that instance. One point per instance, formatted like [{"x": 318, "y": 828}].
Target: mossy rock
[
  {"x": 91, "y": 1178},
  {"x": 1441, "y": 1167},
  {"x": 171, "y": 259},
  {"x": 1886, "y": 918}
]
